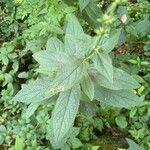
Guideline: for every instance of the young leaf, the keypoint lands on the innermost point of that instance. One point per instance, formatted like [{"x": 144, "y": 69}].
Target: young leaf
[
  {"x": 83, "y": 4},
  {"x": 30, "y": 110},
  {"x": 54, "y": 44},
  {"x": 34, "y": 91},
  {"x": 117, "y": 98},
  {"x": 108, "y": 44},
  {"x": 121, "y": 121},
  {"x": 133, "y": 145},
  {"x": 64, "y": 114},
  {"x": 103, "y": 64},
  {"x": 88, "y": 86}
]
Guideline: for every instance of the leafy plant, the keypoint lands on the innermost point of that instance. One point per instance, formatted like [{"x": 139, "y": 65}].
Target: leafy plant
[
  {"x": 83, "y": 65},
  {"x": 80, "y": 56}
]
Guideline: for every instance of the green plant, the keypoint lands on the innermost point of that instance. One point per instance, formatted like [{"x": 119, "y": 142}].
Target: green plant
[
  {"x": 29, "y": 26},
  {"x": 85, "y": 61}
]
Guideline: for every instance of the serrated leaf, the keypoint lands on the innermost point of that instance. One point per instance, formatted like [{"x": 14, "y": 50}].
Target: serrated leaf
[
  {"x": 121, "y": 80},
  {"x": 121, "y": 121},
  {"x": 83, "y": 4},
  {"x": 78, "y": 45},
  {"x": 54, "y": 44},
  {"x": 108, "y": 44},
  {"x": 88, "y": 86},
  {"x": 30, "y": 110},
  {"x": 51, "y": 60},
  {"x": 133, "y": 145},
  {"x": 34, "y": 91},
  {"x": 103, "y": 64},
  {"x": 73, "y": 27},
  {"x": 64, "y": 114},
  {"x": 68, "y": 77},
  {"x": 117, "y": 98},
  {"x": 76, "y": 42}
]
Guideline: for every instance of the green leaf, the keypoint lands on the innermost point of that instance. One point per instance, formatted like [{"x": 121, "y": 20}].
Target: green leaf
[
  {"x": 19, "y": 144},
  {"x": 73, "y": 27},
  {"x": 65, "y": 147},
  {"x": 87, "y": 108},
  {"x": 54, "y": 44},
  {"x": 133, "y": 145},
  {"x": 142, "y": 26},
  {"x": 64, "y": 114},
  {"x": 30, "y": 110},
  {"x": 2, "y": 134},
  {"x": 76, "y": 42},
  {"x": 51, "y": 60},
  {"x": 92, "y": 14},
  {"x": 75, "y": 142},
  {"x": 34, "y": 45},
  {"x": 108, "y": 44},
  {"x": 2, "y": 138},
  {"x": 70, "y": 75},
  {"x": 5, "y": 60},
  {"x": 34, "y": 91},
  {"x": 103, "y": 64},
  {"x": 121, "y": 121},
  {"x": 88, "y": 86},
  {"x": 95, "y": 147},
  {"x": 83, "y": 4},
  {"x": 121, "y": 80},
  {"x": 78, "y": 45},
  {"x": 117, "y": 98}
]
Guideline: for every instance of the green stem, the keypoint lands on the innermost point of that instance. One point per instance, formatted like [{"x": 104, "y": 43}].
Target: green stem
[{"x": 93, "y": 49}]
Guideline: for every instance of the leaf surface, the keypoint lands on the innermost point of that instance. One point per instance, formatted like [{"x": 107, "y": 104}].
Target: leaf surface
[
  {"x": 54, "y": 44},
  {"x": 34, "y": 91},
  {"x": 77, "y": 43},
  {"x": 51, "y": 60},
  {"x": 103, "y": 64},
  {"x": 121, "y": 80},
  {"x": 88, "y": 86},
  {"x": 30, "y": 110},
  {"x": 64, "y": 114},
  {"x": 108, "y": 44},
  {"x": 117, "y": 98},
  {"x": 133, "y": 145},
  {"x": 83, "y": 4},
  {"x": 67, "y": 77}
]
